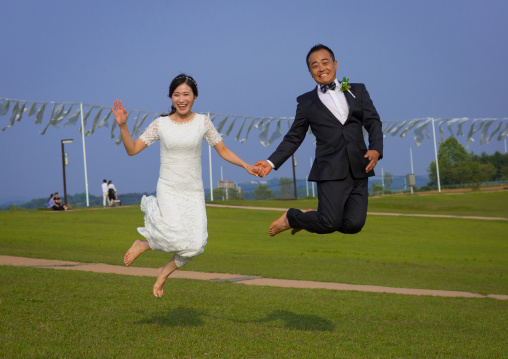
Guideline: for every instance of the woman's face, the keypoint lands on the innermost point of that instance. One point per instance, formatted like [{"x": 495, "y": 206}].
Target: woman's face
[{"x": 183, "y": 98}]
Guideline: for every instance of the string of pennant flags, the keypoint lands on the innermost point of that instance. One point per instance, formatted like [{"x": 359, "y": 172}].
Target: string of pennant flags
[{"x": 269, "y": 128}]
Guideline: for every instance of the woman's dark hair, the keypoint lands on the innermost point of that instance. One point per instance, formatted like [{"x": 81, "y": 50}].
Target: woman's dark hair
[
  {"x": 50, "y": 196},
  {"x": 317, "y": 48},
  {"x": 177, "y": 81}
]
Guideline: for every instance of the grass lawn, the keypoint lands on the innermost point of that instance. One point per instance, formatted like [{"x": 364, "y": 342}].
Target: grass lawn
[
  {"x": 47, "y": 313},
  {"x": 475, "y": 203},
  {"x": 411, "y": 252},
  {"x": 53, "y": 313}
]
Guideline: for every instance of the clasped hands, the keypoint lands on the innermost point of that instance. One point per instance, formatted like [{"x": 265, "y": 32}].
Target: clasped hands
[{"x": 260, "y": 169}]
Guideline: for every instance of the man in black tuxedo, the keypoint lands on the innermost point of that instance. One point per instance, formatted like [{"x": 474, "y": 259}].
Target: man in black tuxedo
[{"x": 336, "y": 113}]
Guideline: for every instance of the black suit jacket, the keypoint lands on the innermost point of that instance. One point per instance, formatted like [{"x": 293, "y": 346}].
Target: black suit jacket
[{"x": 338, "y": 147}]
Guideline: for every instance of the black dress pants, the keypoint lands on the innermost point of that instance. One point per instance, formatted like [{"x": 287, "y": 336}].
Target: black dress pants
[{"x": 342, "y": 206}]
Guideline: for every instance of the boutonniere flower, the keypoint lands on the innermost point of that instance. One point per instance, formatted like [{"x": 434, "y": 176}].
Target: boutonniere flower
[{"x": 345, "y": 86}]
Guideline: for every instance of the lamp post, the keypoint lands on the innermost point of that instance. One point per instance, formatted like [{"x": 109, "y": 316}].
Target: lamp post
[
  {"x": 294, "y": 175},
  {"x": 63, "y": 167}
]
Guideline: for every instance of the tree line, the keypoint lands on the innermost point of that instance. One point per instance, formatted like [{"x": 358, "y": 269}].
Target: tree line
[{"x": 457, "y": 167}]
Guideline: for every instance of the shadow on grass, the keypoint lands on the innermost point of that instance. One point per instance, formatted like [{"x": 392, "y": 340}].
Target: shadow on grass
[
  {"x": 299, "y": 321},
  {"x": 178, "y": 317},
  {"x": 189, "y": 317}
]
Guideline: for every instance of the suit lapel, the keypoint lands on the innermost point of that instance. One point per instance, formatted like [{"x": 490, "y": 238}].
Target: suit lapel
[
  {"x": 319, "y": 104},
  {"x": 350, "y": 101}
]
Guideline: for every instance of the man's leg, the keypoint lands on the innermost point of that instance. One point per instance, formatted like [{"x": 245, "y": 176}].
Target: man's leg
[
  {"x": 332, "y": 199},
  {"x": 355, "y": 210}
]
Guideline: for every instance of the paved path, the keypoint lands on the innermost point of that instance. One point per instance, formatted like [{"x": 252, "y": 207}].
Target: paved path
[
  {"x": 235, "y": 278},
  {"x": 371, "y": 213}
]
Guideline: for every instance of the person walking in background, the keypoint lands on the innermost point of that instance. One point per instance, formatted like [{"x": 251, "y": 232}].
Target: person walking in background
[
  {"x": 104, "y": 192},
  {"x": 175, "y": 220},
  {"x": 336, "y": 113},
  {"x": 111, "y": 193}
]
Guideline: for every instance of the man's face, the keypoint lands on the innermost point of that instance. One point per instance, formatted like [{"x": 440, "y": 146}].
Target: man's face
[{"x": 321, "y": 67}]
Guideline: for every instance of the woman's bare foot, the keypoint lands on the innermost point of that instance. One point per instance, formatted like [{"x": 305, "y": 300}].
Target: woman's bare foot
[
  {"x": 158, "y": 287},
  {"x": 162, "y": 275},
  {"x": 279, "y": 225},
  {"x": 134, "y": 251},
  {"x": 296, "y": 230}
]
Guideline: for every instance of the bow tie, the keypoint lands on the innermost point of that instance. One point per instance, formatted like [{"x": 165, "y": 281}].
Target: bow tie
[{"x": 330, "y": 86}]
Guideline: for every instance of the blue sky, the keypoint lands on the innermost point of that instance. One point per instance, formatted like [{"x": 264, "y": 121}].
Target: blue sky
[{"x": 437, "y": 59}]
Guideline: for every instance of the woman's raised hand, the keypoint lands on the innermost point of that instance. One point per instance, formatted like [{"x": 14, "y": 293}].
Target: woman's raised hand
[{"x": 119, "y": 112}]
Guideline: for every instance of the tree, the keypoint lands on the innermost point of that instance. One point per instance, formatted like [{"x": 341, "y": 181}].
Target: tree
[
  {"x": 504, "y": 173},
  {"x": 498, "y": 160},
  {"x": 262, "y": 192},
  {"x": 388, "y": 180},
  {"x": 452, "y": 152},
  {"x": 480, "y": 172},
  {"x": 219, "y": 194},
  {"x": 285, "y": 186},
  {"x": 456, "y": 166},
  {"x": 451, "y": 156},
  {"x": 233, "y": 193},
  {"x": 377, "y": 188}
]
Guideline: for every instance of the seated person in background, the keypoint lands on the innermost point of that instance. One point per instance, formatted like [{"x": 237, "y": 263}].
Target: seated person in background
[
  {"x": 58, "y": 203},
  {"x": 51, "y": 201}
]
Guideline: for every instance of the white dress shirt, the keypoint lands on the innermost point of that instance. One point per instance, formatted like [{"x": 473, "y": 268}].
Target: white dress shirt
[{"x": 335, "y": 101}]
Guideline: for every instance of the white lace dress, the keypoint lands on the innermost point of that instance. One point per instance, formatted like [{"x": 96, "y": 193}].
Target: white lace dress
[{"x": 175, "y": 221}]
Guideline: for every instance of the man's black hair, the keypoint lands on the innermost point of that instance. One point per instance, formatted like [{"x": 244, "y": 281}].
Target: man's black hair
[{"x": 317, "y": 48}]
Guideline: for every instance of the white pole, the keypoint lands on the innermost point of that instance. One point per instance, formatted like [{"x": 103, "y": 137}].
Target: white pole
[
  {"x": 210, "y": 164},
  {"x": 412, "y": 170},
  {"x": 411, "y": 155},
  {"x": 307, "y": 184},
  {"x": 435, "y": 153},
  {"x": 221, "y": 177},
  {"x": 382, "y": 179},
  {"x": 84, "y": 152}
]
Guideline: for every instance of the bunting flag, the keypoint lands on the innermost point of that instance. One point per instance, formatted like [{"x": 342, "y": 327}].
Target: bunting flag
[{"x": 488, "y": 128}]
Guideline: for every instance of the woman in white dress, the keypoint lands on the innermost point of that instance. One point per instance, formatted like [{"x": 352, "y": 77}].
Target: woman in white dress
[{"x": 175, "y": 220}]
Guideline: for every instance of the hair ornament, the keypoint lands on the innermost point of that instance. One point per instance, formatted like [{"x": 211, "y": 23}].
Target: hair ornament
[{"x": 187, "y": 78}]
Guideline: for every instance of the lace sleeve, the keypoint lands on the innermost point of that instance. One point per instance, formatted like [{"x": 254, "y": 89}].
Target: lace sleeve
[
  {"x": 211, "y": 136},
  {"x": 151, "y": 133}
]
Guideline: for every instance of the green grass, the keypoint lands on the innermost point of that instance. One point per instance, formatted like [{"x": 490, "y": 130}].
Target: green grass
[
  {"x": 411, "y": 252},
  {"x": 476, "y": 203},
  {"x": 55, "y": 313},
  {"x": 47, "y": 313}
]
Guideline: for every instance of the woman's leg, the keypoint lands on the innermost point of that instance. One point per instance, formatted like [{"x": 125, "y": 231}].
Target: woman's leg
[
  {"x": 162, "y": 275},
  {"x": 138, "y": 247}
]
